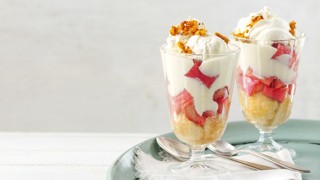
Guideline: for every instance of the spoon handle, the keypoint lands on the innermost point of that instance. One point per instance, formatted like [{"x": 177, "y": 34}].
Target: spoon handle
[
  {"x": 279, "y": 162},
  {"x": 251, "y": 165}
]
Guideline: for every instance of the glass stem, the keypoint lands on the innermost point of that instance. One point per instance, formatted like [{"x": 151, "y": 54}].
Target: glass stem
[
  {"x": 197, "y": 154},
  {"x": 266, "y": 137}
]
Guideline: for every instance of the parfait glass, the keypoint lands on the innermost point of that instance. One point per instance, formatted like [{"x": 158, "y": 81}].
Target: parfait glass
[
  {"x": 199, "y": 91},
  {"x": 266, "y": 79}
]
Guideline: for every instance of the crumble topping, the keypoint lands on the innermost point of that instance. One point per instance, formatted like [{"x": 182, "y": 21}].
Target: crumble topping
[
  {"x": 190, "y": 27},
  {"x": 184, "y": 48},
  {"x": 292, "y": 30},
  {"x": 254, "y": 20},
  {"x": 222, "y": 37}
]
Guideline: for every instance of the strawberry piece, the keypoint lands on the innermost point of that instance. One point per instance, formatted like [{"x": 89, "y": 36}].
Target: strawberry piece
[
  {"x": 281, "y": 49},
  {"x": 195, "y": 72},
  {"x": 252, "y": 85},
  {"x": 193, "y": 116},
  {"x": 276, "y": 94}
]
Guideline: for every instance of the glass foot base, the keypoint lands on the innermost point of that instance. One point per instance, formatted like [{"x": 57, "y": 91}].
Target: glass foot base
[
  {"x": 191, "y": 168},
  {"x": 267, "y": 147}
]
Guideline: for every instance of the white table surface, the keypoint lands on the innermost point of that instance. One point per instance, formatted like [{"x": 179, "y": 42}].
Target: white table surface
[{"x": 62, "y": 156}]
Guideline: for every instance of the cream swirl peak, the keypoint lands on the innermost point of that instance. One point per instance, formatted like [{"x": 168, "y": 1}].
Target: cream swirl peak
[
  {"x": 264, "y": 25},
  {"x": 191, "y": 37}
]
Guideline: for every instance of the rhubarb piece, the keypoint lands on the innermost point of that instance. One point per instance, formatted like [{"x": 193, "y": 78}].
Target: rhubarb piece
[
  {"x": 296, "y": 65},
  {"x": 178, "y": 102},
  {"x": 293, "y": 60},
  {"x": 276, "y": 83},
  {"x": 239, "y": 78},
  {"x": 252, "y": 85},
  {"x": 208, "y": 114},
  {"x": 220, "y": 96},
  {"x": 226, "y": 104},
  {"x": 276, "y": 94},
  {"x": 220, "y": 93},
  {"x": 193, "y": 116},
  {"x": 249, "y": 73},
  {"x": 267, "y": 81},
  {"x": 291, "y": 89},
  {"x": 195, "y": 72},
  {"x": 220, "y": 102},
  {"x": 281, "y": 49}
]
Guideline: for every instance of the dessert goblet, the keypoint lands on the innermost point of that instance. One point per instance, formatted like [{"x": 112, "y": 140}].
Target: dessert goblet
[
  {"x": 266, "y": 79},
  {"x": 199, "y": 90}
]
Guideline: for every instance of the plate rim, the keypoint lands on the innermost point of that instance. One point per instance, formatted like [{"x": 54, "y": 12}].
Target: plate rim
[{"x": 233, "y": 123}]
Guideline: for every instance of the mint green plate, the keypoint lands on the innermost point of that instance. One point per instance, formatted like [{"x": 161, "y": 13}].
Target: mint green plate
[{"x": 301, "y": 135}]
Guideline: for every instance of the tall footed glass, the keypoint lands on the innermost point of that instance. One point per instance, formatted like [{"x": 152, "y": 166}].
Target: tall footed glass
[
  {"x": 199, "y": 93},
  {"x": 266, "y": 80}
]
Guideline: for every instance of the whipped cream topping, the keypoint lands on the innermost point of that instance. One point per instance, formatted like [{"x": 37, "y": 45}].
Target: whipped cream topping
[
  {"x": 199, "y": 44},
  {"x": 172, "y": 42},
  {"x": 269, "y": 27},
  {"x": 207, "y": 45}
]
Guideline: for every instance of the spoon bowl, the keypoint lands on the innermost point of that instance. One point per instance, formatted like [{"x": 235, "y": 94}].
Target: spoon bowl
[
  {"x": 182, "y": 152},
  {"x": 178, "y": 150},
  {"x": 224, "y": 148}
]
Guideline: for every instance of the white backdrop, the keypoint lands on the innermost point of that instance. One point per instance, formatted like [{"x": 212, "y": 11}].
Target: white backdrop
[{"x": 94, "y": 65}]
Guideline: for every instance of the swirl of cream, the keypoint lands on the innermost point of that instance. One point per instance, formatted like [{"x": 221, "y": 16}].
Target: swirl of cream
[{"x": 271, "y": 27}]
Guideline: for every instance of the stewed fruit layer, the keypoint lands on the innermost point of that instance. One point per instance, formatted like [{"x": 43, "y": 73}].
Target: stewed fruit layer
[
  {"x": 194, "y": 128},
  {"x": 191, "y": 133},
  {"x": 271, "y": 87}
]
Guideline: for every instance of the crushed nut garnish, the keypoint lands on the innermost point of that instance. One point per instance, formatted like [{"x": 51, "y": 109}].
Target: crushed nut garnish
[
  {"x": 240, "y": 35},
  {"x": 184, "y": 48},
  {"x": 222, "y": 37},
  {"x": 201, "y": 32},
  {"x": 188, "y": 28},
  {"x": 254, "y": 20},
  {"x": 292, "y": 30},
  {"x": 174, "y": 30}
]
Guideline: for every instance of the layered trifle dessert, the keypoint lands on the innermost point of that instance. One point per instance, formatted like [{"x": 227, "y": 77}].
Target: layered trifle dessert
[
  {"x": 268, "y": 68},
  {"x": 198, "y": 69}
]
